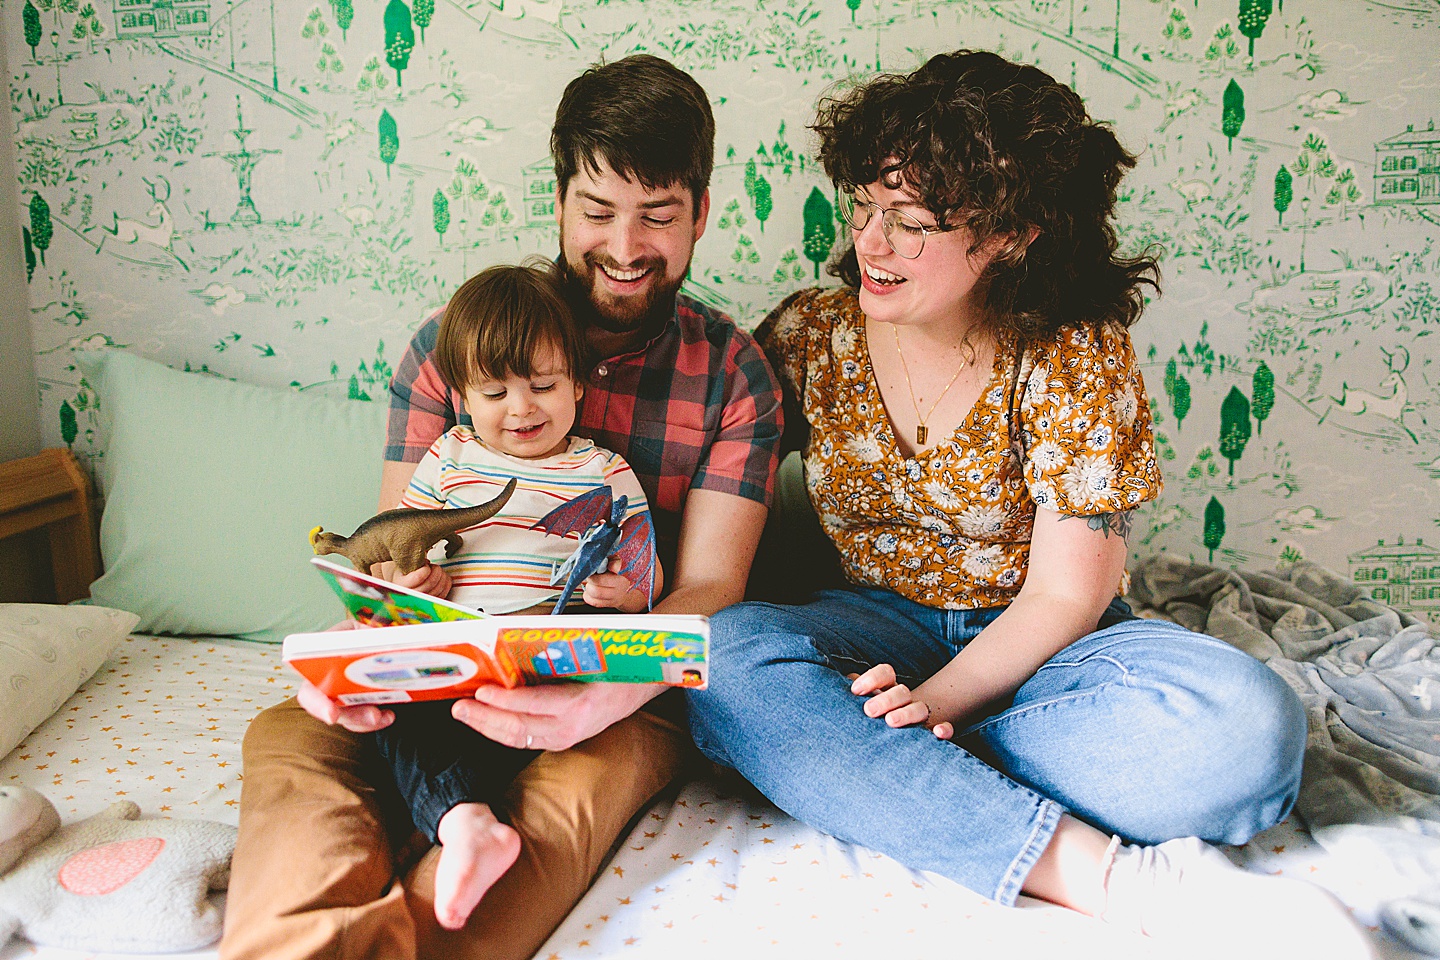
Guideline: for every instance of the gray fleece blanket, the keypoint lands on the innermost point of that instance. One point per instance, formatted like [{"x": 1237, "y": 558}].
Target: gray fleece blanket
[{"x": 1369, "y": 677}]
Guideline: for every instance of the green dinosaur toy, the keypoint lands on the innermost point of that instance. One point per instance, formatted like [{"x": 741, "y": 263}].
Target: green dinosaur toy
[{"x": 406, "y": 535}]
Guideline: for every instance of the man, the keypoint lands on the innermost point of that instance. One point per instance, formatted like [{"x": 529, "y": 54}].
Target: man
[{"x": 692, "y": 405}]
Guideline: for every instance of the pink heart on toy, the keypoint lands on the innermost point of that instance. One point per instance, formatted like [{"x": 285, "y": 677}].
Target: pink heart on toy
[{"x": 104, "y": 869}]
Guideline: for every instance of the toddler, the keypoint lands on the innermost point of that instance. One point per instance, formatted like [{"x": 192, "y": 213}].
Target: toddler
[{"x": 509, "y": 344}]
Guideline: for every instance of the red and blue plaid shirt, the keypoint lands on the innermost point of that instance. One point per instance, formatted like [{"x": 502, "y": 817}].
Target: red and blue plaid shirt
[{"x": 698, "y": 407}]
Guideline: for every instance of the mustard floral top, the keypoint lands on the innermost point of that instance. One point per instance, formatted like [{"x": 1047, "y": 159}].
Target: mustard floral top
[{"x": 950, "y": 528}]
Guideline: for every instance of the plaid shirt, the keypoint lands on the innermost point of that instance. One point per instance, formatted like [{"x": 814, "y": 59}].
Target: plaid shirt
[{"x": 697, "y": 407}]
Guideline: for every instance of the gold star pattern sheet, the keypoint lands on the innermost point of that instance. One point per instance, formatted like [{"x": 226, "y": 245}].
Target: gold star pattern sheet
[
  {"x": 160, "y": 724},
  {"x": 715, "y": 875},
  {"x": 707, "y": 873}
]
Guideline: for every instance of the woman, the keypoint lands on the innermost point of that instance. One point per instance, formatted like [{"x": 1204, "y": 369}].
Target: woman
[{"x": 978, "y": 434}]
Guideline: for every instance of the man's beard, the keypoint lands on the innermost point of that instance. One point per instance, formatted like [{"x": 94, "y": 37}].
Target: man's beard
[{"x": 646, "y": 314}]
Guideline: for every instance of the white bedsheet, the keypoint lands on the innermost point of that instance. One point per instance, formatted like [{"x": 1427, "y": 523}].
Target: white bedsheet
[
  {"x": 706, "y": 874},
  {"x": 160, "y": 724},
  {"x": 712, "y": 875}
]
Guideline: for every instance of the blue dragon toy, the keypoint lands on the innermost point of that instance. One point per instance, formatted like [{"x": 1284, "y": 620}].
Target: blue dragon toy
[{"x": 604, "y": 534}]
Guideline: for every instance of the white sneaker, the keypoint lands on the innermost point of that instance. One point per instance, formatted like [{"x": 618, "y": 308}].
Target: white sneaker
[{"x": 1187, "y": 892}]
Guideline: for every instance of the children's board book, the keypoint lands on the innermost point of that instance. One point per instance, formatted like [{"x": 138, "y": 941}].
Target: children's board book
[
  {"x": 378, "y": 603},
  {"x": 442, "y": 651}
]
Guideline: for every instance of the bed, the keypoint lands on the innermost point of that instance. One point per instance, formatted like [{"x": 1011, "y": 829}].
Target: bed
[{"x": 711, "y": 869}]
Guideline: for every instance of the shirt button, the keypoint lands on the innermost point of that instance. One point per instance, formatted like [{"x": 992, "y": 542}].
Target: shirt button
[{"x": 602, "y": 371}]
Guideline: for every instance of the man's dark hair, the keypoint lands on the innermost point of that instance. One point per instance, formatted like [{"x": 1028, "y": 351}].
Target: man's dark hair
[
  {"x": 643, "y": 117},
  {"x": 1004, "y": 150},
  {"x": 499, "y": 319}
]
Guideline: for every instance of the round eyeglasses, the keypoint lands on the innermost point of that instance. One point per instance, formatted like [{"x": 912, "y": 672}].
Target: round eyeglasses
[{"x": 904, "y": 233}]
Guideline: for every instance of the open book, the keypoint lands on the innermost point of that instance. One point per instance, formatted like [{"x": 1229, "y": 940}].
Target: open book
[
  {"x": 379, "y": 603},
  {"x": 442, "y": 650}
]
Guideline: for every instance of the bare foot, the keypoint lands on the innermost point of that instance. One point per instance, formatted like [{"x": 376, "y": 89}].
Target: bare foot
[{"x": 475, "y": 850}]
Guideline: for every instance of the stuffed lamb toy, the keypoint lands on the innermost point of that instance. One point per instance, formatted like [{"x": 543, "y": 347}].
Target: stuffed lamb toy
[{"x": 110, "y": 882}]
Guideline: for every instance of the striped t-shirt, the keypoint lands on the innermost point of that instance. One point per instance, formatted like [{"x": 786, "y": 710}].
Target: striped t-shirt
[
  {"x": 697, "y": 408},
  {"x": 503, "y": 565}
]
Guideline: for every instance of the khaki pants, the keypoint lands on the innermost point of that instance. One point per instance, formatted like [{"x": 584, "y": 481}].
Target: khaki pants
[{"x": 316, "y": 873}]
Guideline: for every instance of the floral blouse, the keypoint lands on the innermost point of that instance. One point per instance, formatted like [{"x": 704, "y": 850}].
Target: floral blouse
[{"x": 950, "y": 527}]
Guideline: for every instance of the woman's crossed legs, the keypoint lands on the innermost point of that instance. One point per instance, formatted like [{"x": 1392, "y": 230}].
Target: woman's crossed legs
[{"x": 1141, "y": 729}]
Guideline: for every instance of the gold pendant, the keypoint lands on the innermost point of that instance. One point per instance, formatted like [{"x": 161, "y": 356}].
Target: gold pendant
[{"x": 920, "y": 434}]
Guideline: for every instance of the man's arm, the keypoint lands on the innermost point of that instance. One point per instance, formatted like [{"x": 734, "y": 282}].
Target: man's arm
[
  {"x": 394, "y": 478},
  {"x": 718, "y": 536}
]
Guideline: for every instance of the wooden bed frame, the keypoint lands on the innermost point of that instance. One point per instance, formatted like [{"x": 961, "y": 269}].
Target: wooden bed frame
[{"x": 51, "y": 491}]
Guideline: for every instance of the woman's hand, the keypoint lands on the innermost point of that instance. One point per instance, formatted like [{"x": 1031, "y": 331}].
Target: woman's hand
[{"x": 896, "y": 702}]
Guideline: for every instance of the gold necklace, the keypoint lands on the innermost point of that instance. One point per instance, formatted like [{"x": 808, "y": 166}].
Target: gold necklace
[{"x": 921, "y": 432}]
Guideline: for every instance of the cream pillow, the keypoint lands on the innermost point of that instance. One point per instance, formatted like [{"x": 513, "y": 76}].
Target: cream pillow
[{"x": 46, "y": 652}]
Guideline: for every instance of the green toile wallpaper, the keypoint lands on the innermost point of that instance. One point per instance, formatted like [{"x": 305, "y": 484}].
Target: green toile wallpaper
[{"x": 279, "y": 190}]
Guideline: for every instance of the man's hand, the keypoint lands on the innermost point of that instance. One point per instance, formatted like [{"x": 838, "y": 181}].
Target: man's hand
[
  {"x": 551, "y": 717},
  {"x": 364, "y": 719}
]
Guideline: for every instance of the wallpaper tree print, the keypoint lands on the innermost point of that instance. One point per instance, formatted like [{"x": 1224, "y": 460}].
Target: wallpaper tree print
[{"x": 279, "y": 191}]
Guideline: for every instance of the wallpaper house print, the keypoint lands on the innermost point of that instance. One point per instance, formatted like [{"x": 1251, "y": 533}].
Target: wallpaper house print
[{"x": 279, "y": 190}]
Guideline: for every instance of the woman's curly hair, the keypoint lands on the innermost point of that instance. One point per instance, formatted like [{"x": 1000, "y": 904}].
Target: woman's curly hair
[{"x": 1002, "y": 149}]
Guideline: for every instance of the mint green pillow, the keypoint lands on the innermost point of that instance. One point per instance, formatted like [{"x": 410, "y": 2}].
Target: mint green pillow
[{"x": 211, "y": 488}]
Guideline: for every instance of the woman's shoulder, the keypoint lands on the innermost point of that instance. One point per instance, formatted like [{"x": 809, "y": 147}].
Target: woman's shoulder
[
  {"x": 837, "y": 302},
  {"x": 811, "y": 311},
  {"x": 1090, "y": 370},
  {"x": 1096, "y": 348}
]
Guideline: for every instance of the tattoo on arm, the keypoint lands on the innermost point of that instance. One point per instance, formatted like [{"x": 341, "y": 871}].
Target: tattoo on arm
[{"x": 1106, "y": 522}]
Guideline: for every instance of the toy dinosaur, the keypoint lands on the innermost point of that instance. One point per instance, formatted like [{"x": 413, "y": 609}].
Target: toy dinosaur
[
  {"x": 605, "y": 533},
  {"x": 405, "y": 534}
]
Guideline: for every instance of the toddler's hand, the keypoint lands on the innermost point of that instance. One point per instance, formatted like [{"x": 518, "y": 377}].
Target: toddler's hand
[
  {"x": 608, "y": 589},
  {"x": 894, "y": 701},
  {"x": 429, "y": 579}
]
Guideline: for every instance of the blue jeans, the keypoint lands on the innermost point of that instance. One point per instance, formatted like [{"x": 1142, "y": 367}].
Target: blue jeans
[{"x": 1141, "y": 728}]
